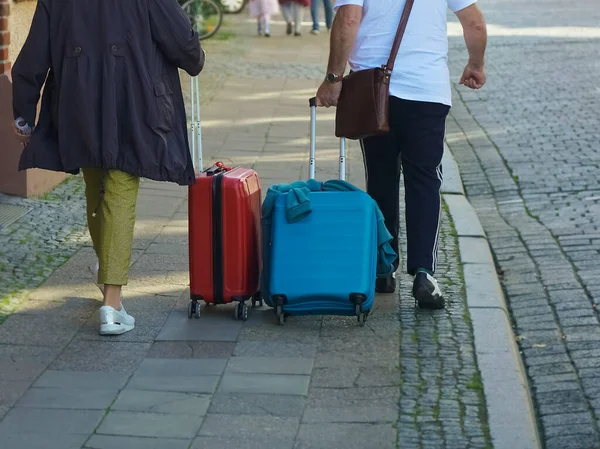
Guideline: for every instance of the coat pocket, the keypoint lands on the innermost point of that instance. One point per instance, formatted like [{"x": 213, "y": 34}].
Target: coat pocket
[{"x": 164, "y": 106}]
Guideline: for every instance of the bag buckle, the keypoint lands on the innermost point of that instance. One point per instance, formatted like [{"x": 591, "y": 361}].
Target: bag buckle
[{"x": 387, "y": 73}]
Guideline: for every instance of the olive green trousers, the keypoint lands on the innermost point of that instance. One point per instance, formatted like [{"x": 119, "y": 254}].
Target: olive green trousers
[{"x": 111, "y": 199}]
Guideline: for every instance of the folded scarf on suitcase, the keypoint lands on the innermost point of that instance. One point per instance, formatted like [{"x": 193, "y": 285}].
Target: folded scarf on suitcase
[{"x": 298, "y": 207}]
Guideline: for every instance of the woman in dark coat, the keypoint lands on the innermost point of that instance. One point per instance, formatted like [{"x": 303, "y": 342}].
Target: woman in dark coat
[
  {"x": 112, "y": 106},
  {"x": 293, "y": 13}
]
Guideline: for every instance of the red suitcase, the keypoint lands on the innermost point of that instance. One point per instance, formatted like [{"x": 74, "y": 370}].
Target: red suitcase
[{"x": 224, "y": 232}]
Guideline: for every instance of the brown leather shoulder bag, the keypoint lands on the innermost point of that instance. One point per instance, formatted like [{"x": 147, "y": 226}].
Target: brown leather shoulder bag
[{"x": 363, "y": 106}]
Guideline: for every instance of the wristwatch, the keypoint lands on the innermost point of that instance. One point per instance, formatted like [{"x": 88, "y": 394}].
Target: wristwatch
[{"x": 333, "y": 78}]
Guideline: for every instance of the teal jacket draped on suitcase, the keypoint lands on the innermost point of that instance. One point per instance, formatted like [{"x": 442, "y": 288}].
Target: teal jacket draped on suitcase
[
  {"x": 298, "y": 206},
  {"x": 324, "y": 244}
]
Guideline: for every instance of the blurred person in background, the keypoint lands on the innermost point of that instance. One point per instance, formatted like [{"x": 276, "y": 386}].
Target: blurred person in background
[
  {"x": 293, "y": 13},
  {"x": 314, "y": 12},
  {"x": 262, "y": 10},
  {"x": 112, "y": 106}
]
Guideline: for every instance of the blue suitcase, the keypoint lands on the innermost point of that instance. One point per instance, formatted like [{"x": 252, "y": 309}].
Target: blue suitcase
[{"x": 325, "y": 263}]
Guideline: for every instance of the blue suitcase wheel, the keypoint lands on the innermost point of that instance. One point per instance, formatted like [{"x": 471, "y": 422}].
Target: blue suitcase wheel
[
  {"x": 360, "y": 315},
  {"x": 280, "y": 315},
  {"x": 358, "y": 299},
  {"x": 279, "y": 301},
  {"x": 362, "y": 319}
]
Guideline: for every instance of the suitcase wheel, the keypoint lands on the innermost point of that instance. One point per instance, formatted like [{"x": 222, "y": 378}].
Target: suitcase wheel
[
  {"x": 280, "y": 315},
  {"x": 358, "y": 299},
  {"x": 360, "y": 315},
  {"x": 194, "y": 310},
  {"x": 241, "y": 311}
]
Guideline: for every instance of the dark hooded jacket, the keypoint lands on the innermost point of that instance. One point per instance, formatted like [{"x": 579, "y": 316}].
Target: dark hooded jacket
[{"x": 111, "y": 91}]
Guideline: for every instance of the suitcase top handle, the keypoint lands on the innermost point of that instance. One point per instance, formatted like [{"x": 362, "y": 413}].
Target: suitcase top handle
[
  {"x": 313, "y": 137},
  {"x": 219, "y": 167}
]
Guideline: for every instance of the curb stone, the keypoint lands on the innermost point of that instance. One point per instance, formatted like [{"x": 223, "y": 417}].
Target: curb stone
[
  {"x": 511, "y": 415},
  {"x": 452, "y": 181}
]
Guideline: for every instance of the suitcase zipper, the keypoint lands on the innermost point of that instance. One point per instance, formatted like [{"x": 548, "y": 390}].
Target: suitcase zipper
[{"x": 217, "y": 224}]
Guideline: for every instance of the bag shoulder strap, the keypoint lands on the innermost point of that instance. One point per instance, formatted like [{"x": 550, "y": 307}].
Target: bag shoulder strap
[{"x": 389, "y": 67}]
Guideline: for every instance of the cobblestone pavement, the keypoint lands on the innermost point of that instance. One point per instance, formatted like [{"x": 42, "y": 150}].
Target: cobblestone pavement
[
  {"x": 529, "y": 152},
  {"x": 441, "y": 401},
  {"x": 407, "y": 379}
]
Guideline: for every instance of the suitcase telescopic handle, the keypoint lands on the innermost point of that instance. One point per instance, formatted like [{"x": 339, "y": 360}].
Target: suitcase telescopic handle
[
  {"x": 195, "y": 125},
  {"x": 313, "y": 137}
]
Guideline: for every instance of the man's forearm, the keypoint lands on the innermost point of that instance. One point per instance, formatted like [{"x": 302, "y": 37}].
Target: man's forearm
[
  {"x": 475, "y": 33},
  {"x": 343, "y": 35}
]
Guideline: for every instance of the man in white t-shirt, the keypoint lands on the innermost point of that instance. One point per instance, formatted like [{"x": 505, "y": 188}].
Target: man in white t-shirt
[{"x": 420, "y": 99}]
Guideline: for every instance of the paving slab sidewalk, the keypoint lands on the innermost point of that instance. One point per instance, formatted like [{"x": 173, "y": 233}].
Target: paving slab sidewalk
[{"x": 407, "y": 379}]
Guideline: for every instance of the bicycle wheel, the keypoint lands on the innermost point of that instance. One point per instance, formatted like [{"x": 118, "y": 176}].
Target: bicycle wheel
[
  {"x": 233, "y": 6},
  {"x": 206, "y": 16}
]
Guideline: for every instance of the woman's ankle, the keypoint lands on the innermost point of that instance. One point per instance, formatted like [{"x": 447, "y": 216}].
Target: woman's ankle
[{"x": 112, "y": 296}]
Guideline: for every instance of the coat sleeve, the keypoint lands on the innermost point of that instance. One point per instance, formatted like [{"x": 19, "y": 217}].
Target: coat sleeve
[
  {"x": 172, "y": 31},
  {"x": 31, "y": 67}
]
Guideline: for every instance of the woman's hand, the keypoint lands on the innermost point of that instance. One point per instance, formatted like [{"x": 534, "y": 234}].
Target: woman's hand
[{"x": 22, "y": 130}]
